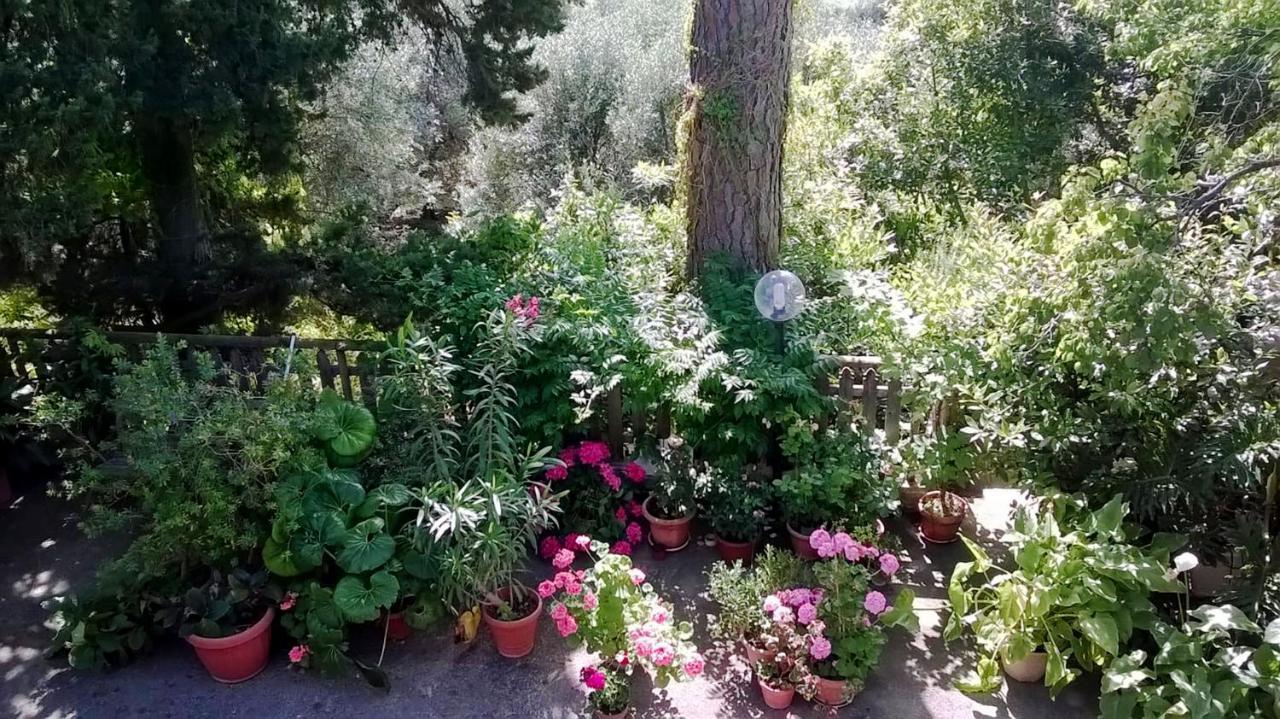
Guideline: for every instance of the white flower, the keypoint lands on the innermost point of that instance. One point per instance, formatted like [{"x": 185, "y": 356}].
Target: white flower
[{"x": 1185, "y": 562}]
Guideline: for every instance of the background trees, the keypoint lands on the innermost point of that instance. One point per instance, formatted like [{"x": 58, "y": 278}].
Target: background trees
[{"x": 149, "y": 147}]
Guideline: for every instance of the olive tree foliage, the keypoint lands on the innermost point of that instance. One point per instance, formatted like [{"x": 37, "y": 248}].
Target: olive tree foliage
[
  {"x": 388, "y": 132},
  {"x": 607, "y": 114},
  {"x": 148, "y": 148}
]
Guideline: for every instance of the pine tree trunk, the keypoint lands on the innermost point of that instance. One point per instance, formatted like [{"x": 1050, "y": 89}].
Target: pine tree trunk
[
  {"x": 735, "y": 115},
  {"x": 168, "y": 163}
]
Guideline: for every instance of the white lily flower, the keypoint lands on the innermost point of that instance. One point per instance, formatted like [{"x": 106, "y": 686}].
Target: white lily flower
[{"x": 1185, "y": 562}]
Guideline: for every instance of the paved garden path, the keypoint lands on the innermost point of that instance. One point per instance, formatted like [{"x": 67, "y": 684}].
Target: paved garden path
[{"x": 43, "y": 555}]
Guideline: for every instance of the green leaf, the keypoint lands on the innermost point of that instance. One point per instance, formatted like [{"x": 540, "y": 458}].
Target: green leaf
[
  {"x": 983, "y": 680},
  {"x": 1126, "y": 672},
  {"x": 360, "y": 601},
  {"x": 980, "y": 559},
  {"x": 1272, "y": 634},
  {"x": 366, "y": 547},
  {"x": 1101, "y": 630},
  {"x": 1106, "y": 521},
  {"x": 1222, "y": 618},
  {"x": 336, "y": 495},
  {"x": 347, "y": 428},
  {"x": 279, "y": 559}
]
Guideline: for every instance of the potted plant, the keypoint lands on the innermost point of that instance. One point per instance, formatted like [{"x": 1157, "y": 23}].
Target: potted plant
[
  {"x": 599, "y": 498},
  {"x": 673, "y": 494},
  {"x": 943, "y": 465},
  {"x": 609, "y": 691},
  {"x": 836, "y": 482},
  {"x": 1076, "y": 591},
  {"x": 778, "y": 677},
  {"x": 845, "y": 644},
  {"x": 736, "y": 512},
  {"x": 613, "y": 611},
  {"x": 228, "y": 621}
]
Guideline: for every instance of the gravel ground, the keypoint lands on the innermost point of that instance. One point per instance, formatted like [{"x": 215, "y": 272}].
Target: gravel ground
[{"x": 43, "y": 555}]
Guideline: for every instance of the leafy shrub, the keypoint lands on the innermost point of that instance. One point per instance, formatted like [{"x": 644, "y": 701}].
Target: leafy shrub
[{"x": 836, "y": 481}]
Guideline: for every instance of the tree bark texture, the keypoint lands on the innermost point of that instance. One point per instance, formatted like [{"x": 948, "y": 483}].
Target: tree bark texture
[{"x": 735, "y": 117}]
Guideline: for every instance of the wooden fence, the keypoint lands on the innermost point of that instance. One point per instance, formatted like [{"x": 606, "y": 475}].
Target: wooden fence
[{"x": 350, "y": 367}]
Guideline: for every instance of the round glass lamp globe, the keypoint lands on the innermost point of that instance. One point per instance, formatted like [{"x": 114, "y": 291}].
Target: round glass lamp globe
[{"x": 779, "y": 296}]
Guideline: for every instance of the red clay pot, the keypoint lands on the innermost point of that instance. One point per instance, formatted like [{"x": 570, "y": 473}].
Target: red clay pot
[
  {"x": 735, "y": 551},
  {"x": 800, "y": 545},
  {"x": 239, "y": 657},
  {"x": 777, "y": 698},
  {"x": 834, "y": 692},
  {"x": 755, "y": 654},
  {"x": 939, "y": 528},
  {"x": 620, "y": 715},
  {"x": 514, "y": 639},
  {"x": 397, "y": 629},
  {"x": 670, "y": 534}
]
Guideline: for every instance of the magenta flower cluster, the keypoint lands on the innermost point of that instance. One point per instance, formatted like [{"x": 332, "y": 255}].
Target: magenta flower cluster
[
  {"x": 595, "y": 456},
  {"x": 526, "y": 312},
  {"x": 840, "y": 544}
]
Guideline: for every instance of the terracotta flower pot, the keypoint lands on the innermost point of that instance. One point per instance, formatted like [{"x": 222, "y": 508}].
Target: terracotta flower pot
[
  {"x": 800, "y": 544},
  {"x": 620, "y": 715},
  {"x": 834, "y": 692},
  {"x": 1027, "y": 669},
  {"x": 909, "y": 498},
  {"x": 942, "y": 528},
  {"x": 239, "y": 657},
  {"x": 397, "y": 629},
  {"x": 670, "y": 534},
  {"x": 515, "y": 638},
  {"x": 777, "y": 698},
  {"x": 755, "y": 654},
  {"x": 735, "y": 551}
]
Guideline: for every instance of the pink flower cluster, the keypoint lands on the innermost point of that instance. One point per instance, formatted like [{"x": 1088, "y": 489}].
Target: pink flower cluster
[
  {"x": 299, "y": 653},
  {"x": 288, "y": 602},
  {"x": 525, "y": 312},
  {"x": 565, "y": 623},
  {"x": 829, "y": 545},
  {"x": 593, "y": 678},
  {"x": 793, "y": 605},
  {"x": 595, "y": 456}
]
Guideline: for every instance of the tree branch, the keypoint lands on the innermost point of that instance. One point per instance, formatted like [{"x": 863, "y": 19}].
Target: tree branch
[{"x": 1216, "y": 191}]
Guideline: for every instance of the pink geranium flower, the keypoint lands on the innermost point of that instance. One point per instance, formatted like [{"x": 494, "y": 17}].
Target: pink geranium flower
[
  {"x": 621, "y": 547},
  {"x": 567, "y": 626},
  {"x": 593, "y": 679},
  {"x": 546, "y": 588},
  {"x": 569, "y": 456},
  {"x": 693, "y": 667},
  {"x": 563, "y": 559},
  {"x": 589, "y": 601},
  {"x": 635, "y": 533},
  {"x": 557, "y": 473},
  {"x": 298, "y": 653},
  {"x": 821, "y": 542},
  {"x": 288, "y": 601},
  {"x": 663, "y": 655},
  {"x": 620, "y": 514},
  {"x": 559, "y": 611},
  {"x": 593, "y": 452},
  {"x": 637, "y": 576},
  {"x": 806, "y": 613},
  {"x": 875, "y": 602},
  {"x": 548, "y": 548},
  {"x": 635, "y": 508},
  {"x": 771, "y": 603},
  {"x": 660, "y": 615},
  {"x": 784, "y": 615},
  {"x": 573, "y": 588},
  {"x": 634, "y": 472},
  {"x": 889, "y": 564},
  {"x": 799, "y": 597},
  {"x": 819, "y": 647}
]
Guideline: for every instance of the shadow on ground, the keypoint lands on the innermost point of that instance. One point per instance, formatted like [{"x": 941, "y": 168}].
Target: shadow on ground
[{"x": 43, "y": 555}]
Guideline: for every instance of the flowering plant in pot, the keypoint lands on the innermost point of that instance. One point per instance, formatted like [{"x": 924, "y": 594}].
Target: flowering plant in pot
[
  {"x": 1075, "y": 594},
  {"x": 739, "y": 595},
  {"x": 609, "y": 690},
  {"x": 836, "y": 481},
  {"x": 782, "y": 646},
  {"x": 228, "y": 621},
  {"x": 673, "y": 493},
  {"x": 735, "y": 509},
  {"x": 612, "y": 611},
  {"x": 599, "y": 499},
  {"x": 846, "y": 645},
  {"x": 942, "y": 464}
]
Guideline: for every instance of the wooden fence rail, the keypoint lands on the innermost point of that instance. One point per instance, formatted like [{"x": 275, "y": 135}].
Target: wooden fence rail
[{"x": 350, "y": 367}]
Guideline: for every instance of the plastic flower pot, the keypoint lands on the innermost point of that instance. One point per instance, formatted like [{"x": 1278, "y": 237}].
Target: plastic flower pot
[
  {"x": 800, "y": 544},
  {"x": 397, "y": 628},
  {"x": 670, "y": 534},
  {"x": 834, "y": 692},
  {"x": 239, "y": 657},
  {"x": 909, "y": 498},
  {"x": 735, "y": 551},
  {"x": 938, "y": 527},
  {"x": 1027, "y": 669},
  {"x": 514, "y": 638},
  {"x": 777, "y": 698}
]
